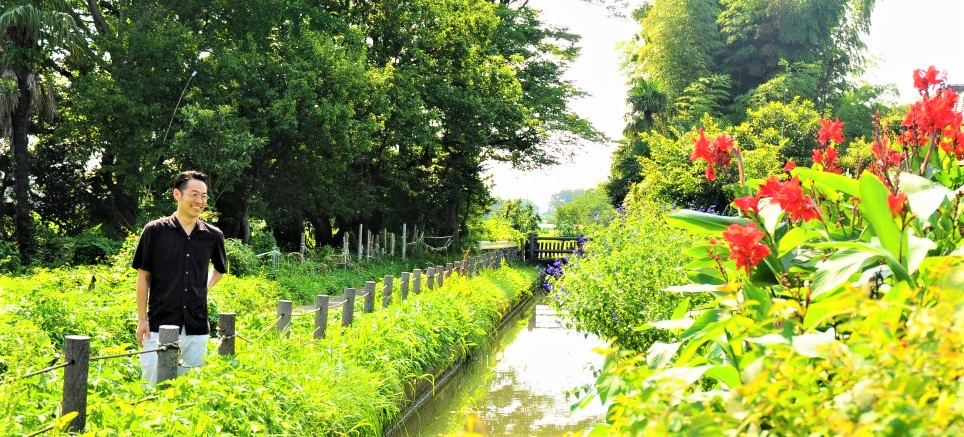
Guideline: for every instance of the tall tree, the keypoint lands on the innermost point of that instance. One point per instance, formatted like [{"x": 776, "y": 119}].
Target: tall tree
[{"x": 32, "y": 33}]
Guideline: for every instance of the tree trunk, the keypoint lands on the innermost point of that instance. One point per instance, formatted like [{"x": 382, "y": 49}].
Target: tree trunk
[{"x": 21, "y": 164}]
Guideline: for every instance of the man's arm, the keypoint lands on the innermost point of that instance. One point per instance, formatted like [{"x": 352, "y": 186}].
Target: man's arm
[
  {"x": 143, "y": 327},
  {"x": 213, "y": 277}
]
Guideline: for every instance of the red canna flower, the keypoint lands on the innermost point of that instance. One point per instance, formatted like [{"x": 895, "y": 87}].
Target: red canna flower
[
  {"x": 827, "y": 159},
  {"x": 830, "y": 131},
  {"x": 790, "y": 165},
  {"x": 923, "y": 80},
  {"x": 789, "y": 195},
  {"x": 716, "y": 154},
  {"x": 745, "y": 247},
  {"x": 702, "y": 148},
  {"x": 896, "y": 204},
  {"x": 748, "y": 204}
]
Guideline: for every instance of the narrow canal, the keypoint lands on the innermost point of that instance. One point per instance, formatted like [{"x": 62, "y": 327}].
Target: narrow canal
[{"x": 522, "y": 386}]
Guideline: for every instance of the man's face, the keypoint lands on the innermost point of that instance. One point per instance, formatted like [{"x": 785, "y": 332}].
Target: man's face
[{"x": 192, "y": 200}]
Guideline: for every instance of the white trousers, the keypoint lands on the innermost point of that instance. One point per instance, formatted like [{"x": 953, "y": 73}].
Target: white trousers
[{"x": 193, "y": 348}]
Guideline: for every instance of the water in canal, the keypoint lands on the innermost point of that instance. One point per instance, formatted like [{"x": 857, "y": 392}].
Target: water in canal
[{"x": 519, "y": 387}]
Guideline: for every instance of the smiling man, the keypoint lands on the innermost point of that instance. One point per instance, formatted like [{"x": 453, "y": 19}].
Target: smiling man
[{"x": 173, "y": 278}]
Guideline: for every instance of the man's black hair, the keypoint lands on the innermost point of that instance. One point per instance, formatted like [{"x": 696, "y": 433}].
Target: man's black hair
[{"x": 181, "y": 180}]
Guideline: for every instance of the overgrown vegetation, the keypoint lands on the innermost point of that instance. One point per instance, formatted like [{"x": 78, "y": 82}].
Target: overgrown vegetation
[
  {"x": 358, "y": 375},
  {"x": 833, "y": 295}
]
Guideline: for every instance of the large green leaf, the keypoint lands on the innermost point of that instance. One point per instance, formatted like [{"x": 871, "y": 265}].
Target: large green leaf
[
  {"x": 703, "y": 223},
  {"x": 686, "y": 375},
  {"x": 727, "y": 374},
  {"x": 873, "y": 206},
  {"x": 924, "y": 203},
  {"x": 660, "y": 354},
  {"x": 796, "y": 236},
  {"x": 838, "y": 269},
  {"x": 761, "y": 297},
  {"x": 838, "y": 182},
  {"x": 705, "y": 319},
  {"x": 831, "y": 305}
]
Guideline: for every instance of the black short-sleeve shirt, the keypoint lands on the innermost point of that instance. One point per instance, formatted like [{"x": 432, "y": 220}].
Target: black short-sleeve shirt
[{"x": 178, "y": 264}]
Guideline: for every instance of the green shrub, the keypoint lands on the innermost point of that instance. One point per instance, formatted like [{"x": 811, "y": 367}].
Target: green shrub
[
  {"x": 617, "y": 288},
  {"x": 242, "y": 260}
]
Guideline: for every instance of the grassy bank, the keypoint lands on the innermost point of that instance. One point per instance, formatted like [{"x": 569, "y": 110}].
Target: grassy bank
[{"x": 351, "y": 383}]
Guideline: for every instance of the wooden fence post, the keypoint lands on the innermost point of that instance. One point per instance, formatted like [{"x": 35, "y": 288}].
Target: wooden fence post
[
  {"x": 532, "y": 248},
  {"x": 167, "y": 359},
  {"x": 226, "y": 332},
  {"x": 430, "y": 280},
  {"x": 403, "y": 286},
  {"x": 369, "y": 296},
  {"x": 321, "y": 315},
  {"x": 417, "y": 281},
  {"x": 449, "y": 269},
  {"x": 439, "y": 273},
  {"x": 284, "y": 316},
  {"x": 77, "y": 354},
  {"x": 393, "y": 245},
  {"x": 348, "y": 309},
  {"x": 387, "y": 291}
]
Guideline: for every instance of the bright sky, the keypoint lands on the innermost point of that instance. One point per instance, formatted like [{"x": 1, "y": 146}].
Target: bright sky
[{"x": 905, "y": 35}]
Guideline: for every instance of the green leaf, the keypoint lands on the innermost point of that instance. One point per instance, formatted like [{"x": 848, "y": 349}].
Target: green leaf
[
  {"x": 703, "y": 223},
  {"x": 681, "y": 309},
  {"x": 727, "y": 374},
  {"x": 873, "y": 206},
  {"x": 693, "y": 288},
  {"x": 840, "y": 183},
  {"x": 917, "y": 249},
  {"x": 924, "y": 203},
  {"x": 708, "y": 317},
  {"x": 838, "y": 269},
  {"x": 813, "y": 345},
  {"x": 761, "y": 297},
  {"x": 794, "y": 238},
  {"x": 688, "y": 375},
  {"x": 660, "y": 354},
  {"x": 832, "y": 305},
  {"x": 672, "y": 324}
]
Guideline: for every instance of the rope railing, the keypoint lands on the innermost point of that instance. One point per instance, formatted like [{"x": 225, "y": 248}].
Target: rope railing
[{"x": 77, "y": 348}]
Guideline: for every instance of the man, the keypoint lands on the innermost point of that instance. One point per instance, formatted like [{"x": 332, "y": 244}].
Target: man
[{"x": 173, "y": 279}]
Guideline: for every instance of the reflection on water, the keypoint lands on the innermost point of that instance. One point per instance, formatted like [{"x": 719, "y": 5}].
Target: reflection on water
[{"x": 519, "y": 388}]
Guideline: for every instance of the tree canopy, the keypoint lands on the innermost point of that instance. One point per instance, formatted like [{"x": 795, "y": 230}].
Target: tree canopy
[{"x": 316, "y": 116}]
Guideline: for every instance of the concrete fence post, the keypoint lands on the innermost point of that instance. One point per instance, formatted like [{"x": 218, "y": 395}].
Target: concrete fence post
[
  {"x": 403, "y": 286},
  {"x": 321, "y": 315},
  {"x": 369, "y": 296},
  {"x": 284, "y": 316},
  {"x": 167, "y": 359},
  {"x": 348, "y": 309},
  {"x": 226, "y": 331}
]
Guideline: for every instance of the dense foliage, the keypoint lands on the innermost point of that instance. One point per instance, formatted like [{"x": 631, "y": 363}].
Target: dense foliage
[
  {"x": 359, "y": 376},
  {"x": 314, "y": 117},
  {"x": 727, "y": 61},
  {"x": 836, "y": 294},
  {"x": 616, "y": 286},
  {"x": 588, "y": 210}
]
